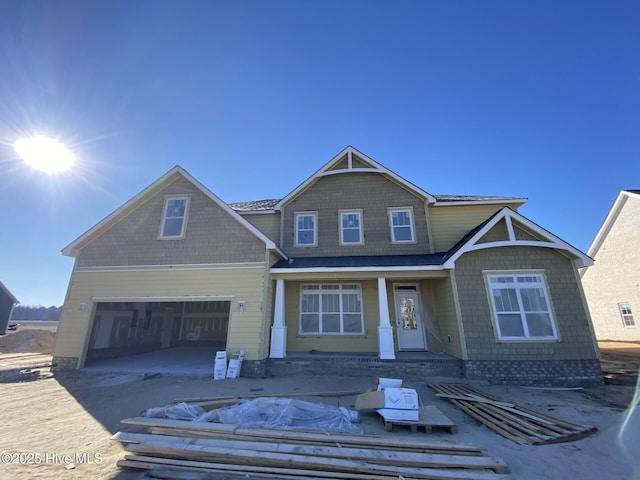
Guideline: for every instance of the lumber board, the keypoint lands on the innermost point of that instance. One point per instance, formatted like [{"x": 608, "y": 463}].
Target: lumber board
[
  {"x": 517, "y": 423},
  {"x": 409, "y": 459},
  {"x": 291, "y": 435},
  {"x": 343, "y": 393},
  {"x": 197, "y": 452},
  {"x": 146, "y": 462}
]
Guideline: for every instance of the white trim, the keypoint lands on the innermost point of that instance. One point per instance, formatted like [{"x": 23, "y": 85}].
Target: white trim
[
  {"x": 580, "y": 259},
  {"x": 278, "y": 345},
  {"x": 72, "y": 249},
  {"x": 360, "y": 227},
  {"x": 313, "y": 214},
  {"x": 340, "y": 291},
  {"x": 411, "y": 268},
  {"x": 421, "y": 306},
  {"x": 610, "y": 220},
  {"x": 196, "y": 266},
  {"x": 386, "y": 349},
  {"x": 450, "y": 203},
  {"x": 164, "y": 298},
  {"x": 375, "y": 168}
]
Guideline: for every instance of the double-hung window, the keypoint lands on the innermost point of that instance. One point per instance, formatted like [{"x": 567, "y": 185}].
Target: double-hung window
[
  {"x": 626, "y": 314},
  {"x": 330, "y": 309},
  {"x": 401, "y": 223},
  {"x": 174, "y": 220},
  {"x": 306, "y": 229},
  {"x": 521, "y": 306},
  {"x": 351, "y": 227}
]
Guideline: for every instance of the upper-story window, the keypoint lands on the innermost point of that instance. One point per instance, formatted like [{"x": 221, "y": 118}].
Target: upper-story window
[
  {"x": 174, "y": 220},
  {"x": 627, "y": 314},
  {"x": 521, "y": 306},
  {"x": 306, "y": 229},
  {"x": 401, "y": 223},
  {"x": 351, "y": 227}
]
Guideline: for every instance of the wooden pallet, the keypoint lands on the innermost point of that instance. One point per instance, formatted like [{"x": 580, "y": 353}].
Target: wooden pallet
[
  {"x": 515, "y": 422},
  {"x": 175, "y": 446},
  {"x": 430, "y": 417}
]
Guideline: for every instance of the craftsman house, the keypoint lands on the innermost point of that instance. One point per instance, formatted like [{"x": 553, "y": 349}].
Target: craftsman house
[
  {"x": 612, "y": 284},
  {"x": 356, "y": 262}
]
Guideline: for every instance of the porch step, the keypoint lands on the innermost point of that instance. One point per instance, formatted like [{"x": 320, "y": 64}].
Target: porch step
[{"x": 415, "y": 368}]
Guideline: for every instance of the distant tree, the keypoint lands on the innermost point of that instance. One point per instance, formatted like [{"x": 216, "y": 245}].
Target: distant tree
[{"x": 36, "y": 312}]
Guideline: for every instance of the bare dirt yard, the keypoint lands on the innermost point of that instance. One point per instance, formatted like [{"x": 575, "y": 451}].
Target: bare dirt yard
[{"x": 59, "y": 426}]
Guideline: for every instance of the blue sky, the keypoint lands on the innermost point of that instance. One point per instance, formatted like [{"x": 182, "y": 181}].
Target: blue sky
[{"x": 536, "y": 99}]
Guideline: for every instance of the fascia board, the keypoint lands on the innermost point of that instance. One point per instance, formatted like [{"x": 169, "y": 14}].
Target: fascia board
[{"x": 608, "y": 223}]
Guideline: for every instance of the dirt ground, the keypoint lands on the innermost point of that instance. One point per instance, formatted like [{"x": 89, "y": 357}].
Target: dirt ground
[{"x": 59, "y": 426}]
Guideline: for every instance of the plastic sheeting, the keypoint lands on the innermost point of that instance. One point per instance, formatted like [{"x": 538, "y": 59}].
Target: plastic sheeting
[
  {"x": 285, "y": 414},
  {"x": 178, "y": 411}
]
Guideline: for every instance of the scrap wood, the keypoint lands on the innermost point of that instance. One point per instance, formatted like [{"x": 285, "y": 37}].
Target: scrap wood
[
  {"x": 345, "y": 393},
  {"x": 225, "y": 447},
  {"x": 517, "y": 423},
  {"x": 208, "y": 429}
]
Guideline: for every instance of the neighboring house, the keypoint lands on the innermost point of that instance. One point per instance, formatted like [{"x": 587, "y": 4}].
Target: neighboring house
[
  {"x": 7, "y": 302},
  {"x": 612, "y": 284},
  {"x": 354, "y": 260}
]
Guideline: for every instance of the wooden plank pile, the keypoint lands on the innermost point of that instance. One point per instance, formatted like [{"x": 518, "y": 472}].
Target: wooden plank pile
[
  {"x": 199, "y": 450},
  {"x": 517, "y": 423}
]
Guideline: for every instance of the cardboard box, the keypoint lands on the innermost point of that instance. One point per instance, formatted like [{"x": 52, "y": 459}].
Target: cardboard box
[
  {"x": 392, "y": 403},
  {"x": 235, "y": 364},
  {"x": 220, "y": 366}
]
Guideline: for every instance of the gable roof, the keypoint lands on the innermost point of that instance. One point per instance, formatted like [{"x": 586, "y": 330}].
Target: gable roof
[
  {"x": 363, "y": 164},
  {"x": 623, "y": 196},
  {"x": 471, "y": 241},
  {"x": 73, "y": 248},
  {"x": 6, "y": 291}
]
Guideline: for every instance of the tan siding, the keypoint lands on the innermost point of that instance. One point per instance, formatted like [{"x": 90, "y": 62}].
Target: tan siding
[
  {"x": 371, "y": 193},
  {"x": 269, "y": 224},
  {"x": 575, "y": 339},
  {"x": 615, "y": 276},
  {"x": 246, "y": 328},
  {"x": 450, "y": 223},
  {"x": 212, "y": 236},
  {"x": 332, "y": 343},
  {"x": 446, "y": 318}
]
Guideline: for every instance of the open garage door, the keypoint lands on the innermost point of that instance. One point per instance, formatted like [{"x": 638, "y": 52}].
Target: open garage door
[{"x": 129, "y": 328}]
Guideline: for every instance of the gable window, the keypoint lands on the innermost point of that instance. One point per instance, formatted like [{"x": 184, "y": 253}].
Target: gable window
[
  {"x": 331, "y": 309},
  {"x": 306, "y": 231},
  {"x": 521, "y": 307},
  {"x": 401, "y": 223},
  {"x": 175, "y": 217},
  {"x": 627, "y": 314},
  {"x": 351, "y": 228}
]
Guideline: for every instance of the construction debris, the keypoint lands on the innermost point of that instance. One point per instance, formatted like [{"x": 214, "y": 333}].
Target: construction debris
[
  {"x": 517, "y": 423},
  {"x": 175, "y": 448}
]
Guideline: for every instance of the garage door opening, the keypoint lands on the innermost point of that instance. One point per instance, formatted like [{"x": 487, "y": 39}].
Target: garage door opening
[{"x": 130, "y": 328}]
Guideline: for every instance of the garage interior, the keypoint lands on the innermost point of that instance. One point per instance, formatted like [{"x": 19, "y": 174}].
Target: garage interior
[{"x": 136, "y": 336}]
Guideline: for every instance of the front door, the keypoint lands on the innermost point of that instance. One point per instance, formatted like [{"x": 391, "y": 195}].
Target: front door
[{"x": 409, "y": 319}]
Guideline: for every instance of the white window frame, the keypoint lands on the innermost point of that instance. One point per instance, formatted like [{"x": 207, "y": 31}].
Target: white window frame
[
  {"x": 411, "y": 225},
  {"x": 518, "y": 287},
  {"x": 341, "y": 214},
  {"x": 318, "y": 289},
  {"x": 314, "y": 215},
  {"x": 166, "y": 217},
  {"x": 626, "y": 314}
]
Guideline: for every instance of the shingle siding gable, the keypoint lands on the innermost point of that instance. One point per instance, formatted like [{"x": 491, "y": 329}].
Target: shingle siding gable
[{"x": 212, "y": 236}]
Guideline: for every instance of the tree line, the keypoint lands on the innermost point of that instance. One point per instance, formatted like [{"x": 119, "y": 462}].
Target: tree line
[{"x": 36, "y": 312}]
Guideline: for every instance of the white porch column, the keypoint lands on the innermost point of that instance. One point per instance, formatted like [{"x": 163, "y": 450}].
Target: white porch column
[
  {"x": 279, "y": 329},
  {"x": 385, "y": 331}
]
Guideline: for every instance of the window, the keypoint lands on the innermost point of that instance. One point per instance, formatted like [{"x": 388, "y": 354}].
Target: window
[
  {"x": 331, "y": 310},
  {"x": 521, "y": 307},
  {"x": 401, "y": 222},
  {"x": 306, "y": 232},
  {"x": 175, "y": 217},
  {"x": 351, "y": 228},
  {"x": 627, "y": 315}
]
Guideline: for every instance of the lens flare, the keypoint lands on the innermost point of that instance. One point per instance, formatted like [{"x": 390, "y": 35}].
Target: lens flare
[{"x": 44, "y": 153}]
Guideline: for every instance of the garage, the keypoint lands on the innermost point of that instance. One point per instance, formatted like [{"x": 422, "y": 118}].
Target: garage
[{"x": 121, "y": 329}]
